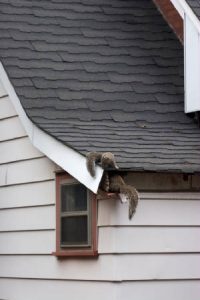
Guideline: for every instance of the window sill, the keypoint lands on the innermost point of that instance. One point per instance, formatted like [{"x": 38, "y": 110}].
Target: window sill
[{"x": 75, "y": 253}]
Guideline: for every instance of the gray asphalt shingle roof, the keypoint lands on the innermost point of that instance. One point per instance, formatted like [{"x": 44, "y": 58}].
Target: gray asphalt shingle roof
[{"x": 102, "y": 75}]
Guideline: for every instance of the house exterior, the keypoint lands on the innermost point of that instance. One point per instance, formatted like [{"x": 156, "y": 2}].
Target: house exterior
[{"x": 132, "y": 105}]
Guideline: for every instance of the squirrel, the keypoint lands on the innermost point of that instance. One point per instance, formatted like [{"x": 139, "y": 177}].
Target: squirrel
[
  {"x": 110, "y": 182},
  {"x": 117, "y": 185},
  {"x": 106, "y": 160}
]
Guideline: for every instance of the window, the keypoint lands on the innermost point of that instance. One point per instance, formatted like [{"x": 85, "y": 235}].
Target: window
[{"x": 76, "y": 215}]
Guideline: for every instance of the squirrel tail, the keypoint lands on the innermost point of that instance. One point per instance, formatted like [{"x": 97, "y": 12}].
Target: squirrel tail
[
  {"x": 91, "y": 159},
  {"x": 132, "y": 195}
]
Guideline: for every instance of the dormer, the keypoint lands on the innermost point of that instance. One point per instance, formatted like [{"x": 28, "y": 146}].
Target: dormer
[{"x": 184, "y": 18}]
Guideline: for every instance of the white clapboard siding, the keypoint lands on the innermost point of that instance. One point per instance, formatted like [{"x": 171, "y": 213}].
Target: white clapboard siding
[
  {"x": 18, "y": 149},
  {"x": 2, "y": 90},
  {"x": 6, "y": 108},
  {"x": 28, "y": 242},
  {"x": 167, "y": 290},
  {"x": 27, "y": 171},
  {"x": 32, "y": 218},
  {"x": 31, "y": 194},
  {"x": 52, "y": 290},
  {"x": 170, "y": 195},
  {"x": 23, "y": 289},
  {"x": 150, "y": 212},
  {"x": 3, "y": 173},
  {"x": 111, "y": 240},
  {"x": 148, "y": 239},
  {"x": 11, "y": 128},
  {"x": 107, "y": 267}
]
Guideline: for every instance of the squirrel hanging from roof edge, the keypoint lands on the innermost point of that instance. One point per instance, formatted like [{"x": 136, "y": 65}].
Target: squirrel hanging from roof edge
[{"x": 110, "y": 182}]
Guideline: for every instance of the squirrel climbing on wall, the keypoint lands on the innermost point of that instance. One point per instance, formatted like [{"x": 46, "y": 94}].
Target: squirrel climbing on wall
[{"x": 112, "y": 182}]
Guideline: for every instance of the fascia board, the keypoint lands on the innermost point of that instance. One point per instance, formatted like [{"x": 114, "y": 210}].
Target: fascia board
[
  {"x": 183, "y": 8},
  {"x": 178, "y": 7},
  {"x": 191, "y": 66},
  {"x": 68, "y": 159}
]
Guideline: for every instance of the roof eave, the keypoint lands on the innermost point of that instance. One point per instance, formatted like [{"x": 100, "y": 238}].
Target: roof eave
[{"x": 68, "y": 159}]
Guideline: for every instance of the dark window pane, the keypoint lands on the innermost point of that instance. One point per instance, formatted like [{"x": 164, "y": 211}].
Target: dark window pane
[
  {"x": 74, "y": 197},
  {"x": 74, "y": 230}
]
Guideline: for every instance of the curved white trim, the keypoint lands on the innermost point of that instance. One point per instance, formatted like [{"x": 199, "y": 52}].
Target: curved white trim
[{"x": 67, "y": 158}]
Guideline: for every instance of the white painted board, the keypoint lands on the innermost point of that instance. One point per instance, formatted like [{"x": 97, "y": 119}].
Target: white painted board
[
  {"x": 170, "y": 195},
  {"x": 27, "y": 171},
  {"x": 70, "y": 160},
  {"x": 111, "y": 240},
  {"x": 19, "y": 149},
  {"x": 165, "y": 290},
  {"x": 192, "y": 66},
  {"x": 33, "y": 218},
  {"x": 11, "y": 128},
  {"x": 6, "y": 108},
  {"x": 150, "y": 212},
  {"x": 30, "y": 194},
  {"x": 105, "y": 268},
  {"x": 2, "y": 90},
  {"x": 148, "y": 239},
  {"x": 23, "y": 289},
  {"x": 28, "y": 242},
  {"x": 82, "y": 290}
]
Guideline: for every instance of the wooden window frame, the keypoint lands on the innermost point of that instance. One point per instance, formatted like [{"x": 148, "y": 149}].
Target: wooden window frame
[{"x": 91, "y": 250}]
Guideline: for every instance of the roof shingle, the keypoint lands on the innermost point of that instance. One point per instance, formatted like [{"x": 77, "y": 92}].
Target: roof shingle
[{"x": 102, "y": 76}]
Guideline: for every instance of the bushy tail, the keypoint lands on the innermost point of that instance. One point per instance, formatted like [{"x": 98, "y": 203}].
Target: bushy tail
[
  {"x": 91, "y": 159},
  {"x": 132, "y": 195}
]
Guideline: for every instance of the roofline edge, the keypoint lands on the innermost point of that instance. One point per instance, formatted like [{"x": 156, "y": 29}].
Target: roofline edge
[
  {"x": 64, "y": 156},
  {"x": 183, "y": 8}
]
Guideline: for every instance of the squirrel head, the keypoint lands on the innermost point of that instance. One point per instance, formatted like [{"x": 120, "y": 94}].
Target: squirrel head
[{"x": 108, "y": 161}]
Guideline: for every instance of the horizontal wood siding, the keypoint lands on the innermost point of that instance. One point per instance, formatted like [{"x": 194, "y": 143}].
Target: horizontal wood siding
[
  {"x": 154, "y": 256},
  {"x": 3, "y": 92},
  {"x": 105, "y": 268},
  {"x": 27, "y": 242},
  {"x": 18, "y": 149},
  {"x": 39, "y": 169},
  {"x": 23, "y": 289},
  {"x": 11, "y": 128},
  {"x": 152, "y": 211},
  {"x": 6, "y": 108},
  {"x": 149, "y": 239},
  {"x": 27, "y": 218},
  {"x": 21, "y": 195}
]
